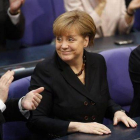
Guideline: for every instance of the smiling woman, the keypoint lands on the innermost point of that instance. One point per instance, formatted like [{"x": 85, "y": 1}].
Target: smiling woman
[
  {"x": 80, "y": 22},
  {"x": 76, "y": 96}
]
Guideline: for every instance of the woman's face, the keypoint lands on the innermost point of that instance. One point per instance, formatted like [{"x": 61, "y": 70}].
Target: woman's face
[{"x": 70, "y": 46}]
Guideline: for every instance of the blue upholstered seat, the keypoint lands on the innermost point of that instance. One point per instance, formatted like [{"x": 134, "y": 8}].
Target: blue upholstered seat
[{"x": 39, "y": 17}]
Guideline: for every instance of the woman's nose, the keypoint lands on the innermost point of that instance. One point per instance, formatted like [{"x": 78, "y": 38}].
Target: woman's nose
[{"x": 64, "y": 45}]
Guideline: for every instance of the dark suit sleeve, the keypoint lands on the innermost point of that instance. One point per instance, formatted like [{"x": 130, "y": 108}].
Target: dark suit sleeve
[
  {"x": 12, "y": 112},
  {"x": 15, "y": 31},
  {"x": 41, "y": 120},
  {"x": 134, "y": 71},
  {"x": 2, "y": 120},
  {"x": 112, "y": 106}
]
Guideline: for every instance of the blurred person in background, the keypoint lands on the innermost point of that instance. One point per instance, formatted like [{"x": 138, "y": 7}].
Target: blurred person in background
[
  {"x": 12, "y": 21},
  {"x": 110, "y": 16}
]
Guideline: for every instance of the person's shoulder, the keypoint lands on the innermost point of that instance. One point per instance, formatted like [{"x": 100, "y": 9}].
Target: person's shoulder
[
  {"x": 95, "y": 56},
  {"x": 45, "y": 64},
  {"x": 134, "y": 58},
  {"x": 136, "y": 51}
]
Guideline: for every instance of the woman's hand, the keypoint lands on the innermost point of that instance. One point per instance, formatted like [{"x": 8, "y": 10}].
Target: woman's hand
[
  {"x": 120, "y": 116},
  {"x": 90, "y": 128},
  {"x": 15, "y": 6}
]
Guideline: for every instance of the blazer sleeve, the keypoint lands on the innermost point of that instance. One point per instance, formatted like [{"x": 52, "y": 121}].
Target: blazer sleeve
[
  {"x": 112, "y": 106},
  {"x": 42, "y": 120},
  {"x": 15, "y": 31},
  {"x": 2, "y": 120},
  {"x": 12, "y": 112},
  {"x": 134, "y": 71}
]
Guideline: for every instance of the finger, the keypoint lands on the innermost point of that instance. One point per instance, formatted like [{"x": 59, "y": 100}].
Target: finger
[
  {"x": 10, "y": 81},
  {"x": 37, "y": 99},
  {"x": 7, "y": 76},
  {"x": 115, "y": 121},
  {"x": 35, "y": 103},
  {"x": 38, "y": 96},
  {"x": 126, "y": 123},
  {"x": 4, "y": 75},
  {"x": 97, "y": 132},
  {"x": 104, "y": 131},
  {"x": 39, "y": 90},
  {"x": 33, "y": 107},
  {"x": 22, "y": 1},
  {"x": 132, "y": 122},
  {"x": 103, "y": 127}
]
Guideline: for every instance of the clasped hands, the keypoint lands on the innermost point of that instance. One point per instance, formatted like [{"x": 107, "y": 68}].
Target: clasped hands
[{"x": 29, "y": 102}]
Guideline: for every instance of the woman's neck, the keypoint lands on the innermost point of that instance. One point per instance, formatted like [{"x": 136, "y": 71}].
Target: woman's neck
[{"x": 76, "y": 66}]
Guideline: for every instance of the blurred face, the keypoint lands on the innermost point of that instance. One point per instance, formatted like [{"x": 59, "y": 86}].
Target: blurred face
[{"x": 70, "y": 46}]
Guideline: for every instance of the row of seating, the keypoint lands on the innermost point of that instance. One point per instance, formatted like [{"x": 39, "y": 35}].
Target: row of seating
[
  {"x": 40, "y": 15},
  {"x": 120, "y": 88}
]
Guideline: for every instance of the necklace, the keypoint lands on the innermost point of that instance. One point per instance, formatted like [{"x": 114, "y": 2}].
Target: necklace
[
  {"x": 80, "y": 72},
  {"x": 83, "y": 66}
]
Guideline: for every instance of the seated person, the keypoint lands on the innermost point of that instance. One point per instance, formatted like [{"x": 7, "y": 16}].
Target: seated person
[
  {"x": 134, "y": 71},
  {"x": 11, "y": 21},
  {"x": 14, "y": 109},
  {"x": 110, "y": 16},
  {"x": 76, "y": 96}
]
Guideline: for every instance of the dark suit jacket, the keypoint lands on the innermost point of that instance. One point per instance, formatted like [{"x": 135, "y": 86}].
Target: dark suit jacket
[
  {"x": 11, "y": 113},
  {"x": 134, "y": 71},
  {"x": 7, "y": 29},
  {"x": 66, "y": 99}
]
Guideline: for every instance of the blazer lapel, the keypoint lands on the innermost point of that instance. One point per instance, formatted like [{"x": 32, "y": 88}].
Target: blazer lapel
[
  {"x": 91, "y": 72},
  {"x": 71, "y": 78}
]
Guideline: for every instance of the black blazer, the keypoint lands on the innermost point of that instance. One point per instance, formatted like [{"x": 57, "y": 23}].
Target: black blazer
[
  {"x": 11, "y": 113},
  {"x": 7, "y": 29},
  {"x": 134, "y": 71},
  {"x": 66, "y": 99}
]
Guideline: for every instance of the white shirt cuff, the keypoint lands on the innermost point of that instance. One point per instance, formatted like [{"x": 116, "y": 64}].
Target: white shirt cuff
[
  {"x": 14, "y": 18},
  {"x": 25, "y": 113},
  {"x": 2, "y": 106}
]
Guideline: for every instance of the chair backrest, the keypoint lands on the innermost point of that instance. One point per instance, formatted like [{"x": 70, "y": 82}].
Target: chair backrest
[
  {"x": 39, "y": 18},
  {"x": 136, "y": 25},
  {"x": 120, "y": 86},
  {"x": 17, "y": 130}
]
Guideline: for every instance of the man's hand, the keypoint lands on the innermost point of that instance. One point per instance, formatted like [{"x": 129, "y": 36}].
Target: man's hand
[
  {"x": 122, "y": 117},
  {"x": 15, "y": 6},
  {"x": 5, "y": 82},
  {"x": 32, "y": 99}
]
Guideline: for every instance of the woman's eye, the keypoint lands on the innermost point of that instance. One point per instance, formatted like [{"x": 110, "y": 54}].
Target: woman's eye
[
  {"x": 71, "y": 39},
  {"x": 59, "y": 39}
]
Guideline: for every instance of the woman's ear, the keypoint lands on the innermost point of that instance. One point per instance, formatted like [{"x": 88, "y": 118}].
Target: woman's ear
[{"x": 86, "y": 41}]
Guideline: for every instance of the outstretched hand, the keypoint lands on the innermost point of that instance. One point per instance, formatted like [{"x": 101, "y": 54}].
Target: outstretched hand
[
  {"x": 15, "y": 6},
  {"x": 32, "y": 99},
  {"x": 5, "y": 82}
]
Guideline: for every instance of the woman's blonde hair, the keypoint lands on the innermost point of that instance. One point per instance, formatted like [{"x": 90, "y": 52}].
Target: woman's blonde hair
[{"x": 81, "y": 21}]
